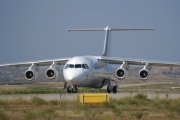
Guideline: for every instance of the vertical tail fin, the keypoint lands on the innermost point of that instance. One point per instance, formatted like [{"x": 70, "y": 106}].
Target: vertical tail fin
[
  {"x": 107, "y": 42},
  {"x": 108, "y": 36}
]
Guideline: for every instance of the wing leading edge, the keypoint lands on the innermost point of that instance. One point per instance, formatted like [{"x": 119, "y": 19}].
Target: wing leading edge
[
  {"x": 61, "y": 61},
  {"x": 129, "y": 61}
]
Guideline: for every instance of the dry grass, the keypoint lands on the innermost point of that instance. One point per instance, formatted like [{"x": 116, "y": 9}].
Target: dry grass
[{"x": 137, "y": 107}]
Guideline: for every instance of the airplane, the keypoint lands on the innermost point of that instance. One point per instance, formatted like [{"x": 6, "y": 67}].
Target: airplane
[{"x": 92, "y": 71}]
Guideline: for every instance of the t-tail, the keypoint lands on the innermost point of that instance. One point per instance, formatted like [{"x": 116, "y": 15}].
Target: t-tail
[{"x": 108, "y": 36}]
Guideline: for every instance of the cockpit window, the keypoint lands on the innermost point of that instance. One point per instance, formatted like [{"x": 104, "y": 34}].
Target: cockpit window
[
  {"x": 71, "y": 65},
  {"x": 85, "y": 66},
  {"x": 67, "y": 65},
  {"x": 77, "y": 65}
]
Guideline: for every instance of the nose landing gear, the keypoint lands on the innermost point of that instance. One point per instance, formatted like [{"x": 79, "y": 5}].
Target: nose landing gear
[{"x": 72, "y": 89}]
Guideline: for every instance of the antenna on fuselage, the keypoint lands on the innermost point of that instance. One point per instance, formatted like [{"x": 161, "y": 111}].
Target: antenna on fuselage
[{"x": 107, "y": 40}]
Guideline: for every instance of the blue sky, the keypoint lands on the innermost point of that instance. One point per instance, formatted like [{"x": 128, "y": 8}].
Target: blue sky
[{"x": 37, "y": 29}]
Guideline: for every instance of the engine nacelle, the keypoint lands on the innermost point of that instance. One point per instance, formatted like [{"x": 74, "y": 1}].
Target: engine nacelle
[
  {"x": 32, "y": 72},
  {"x": 121, "y": 73},
  {"x": 53, "y": 71},
  {"x": 144, "y": 74}
]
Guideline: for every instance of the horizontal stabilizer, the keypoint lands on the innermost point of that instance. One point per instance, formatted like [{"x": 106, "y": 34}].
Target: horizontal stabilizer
[
  {"x": 111, "y": 29},
  {"x": 107, "y": 41},
  {"x": 86, "y": 29}
]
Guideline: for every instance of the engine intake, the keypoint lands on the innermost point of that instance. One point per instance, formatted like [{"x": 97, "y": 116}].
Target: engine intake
[
  {"x": 32, "y": 72},
  {"x": 53, "y": 71},
  {"x": 121, "y": 73},
  {"x": 50, "y": 73},
  {"x": 29, "y": 75},
  {"x": 144, "y": 74}
]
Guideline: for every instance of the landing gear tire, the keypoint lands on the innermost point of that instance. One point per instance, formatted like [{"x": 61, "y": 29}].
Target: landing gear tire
[
  {"x": 115, "y": 89},
  {"x": 75, "y": 90},
  {"x": 68, "y": 90},
  {"x": 72, "y": 89},
  {"x": 108, "y": 89}
]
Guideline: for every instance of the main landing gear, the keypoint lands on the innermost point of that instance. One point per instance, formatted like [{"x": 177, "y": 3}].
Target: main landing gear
[
  {"x": 72, "y": 89},
  {"x": 111, "y": 87}
]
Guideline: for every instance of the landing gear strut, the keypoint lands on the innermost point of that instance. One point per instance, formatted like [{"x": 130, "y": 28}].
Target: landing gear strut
[
  {"x": 65, "y": 85},
  {"x": 72, "y": 89},
  {"x": 111, "y": 87}
]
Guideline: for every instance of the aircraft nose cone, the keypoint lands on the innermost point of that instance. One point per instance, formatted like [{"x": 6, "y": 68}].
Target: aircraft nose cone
[{"x": 72, "y": 78}]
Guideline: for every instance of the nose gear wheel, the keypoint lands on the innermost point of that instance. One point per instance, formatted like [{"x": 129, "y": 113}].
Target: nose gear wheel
[{"x": 72, "y": 89}]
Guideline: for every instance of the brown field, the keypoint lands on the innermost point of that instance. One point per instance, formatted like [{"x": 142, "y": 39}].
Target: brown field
[
  {"x": 132, "y": 107},
  {"x": 137, "y": 107}
]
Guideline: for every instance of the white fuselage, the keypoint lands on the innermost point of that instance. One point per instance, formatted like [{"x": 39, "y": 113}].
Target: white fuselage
[{"x": 86, "y": 71}]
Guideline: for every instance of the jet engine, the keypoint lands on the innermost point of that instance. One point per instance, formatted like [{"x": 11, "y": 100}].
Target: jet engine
[
  {"x": 121, "y": 73},
  {"x": 32, "y": 72},
  {"x": 53, "y": 71},
  {"x": 145, "y": 72}
]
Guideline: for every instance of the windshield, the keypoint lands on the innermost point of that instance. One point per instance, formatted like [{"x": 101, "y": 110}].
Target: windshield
[
  {"x": 84, "y": 66},
  {"x": 77, "y": 65},
  {"x": 71, "y": 65}
]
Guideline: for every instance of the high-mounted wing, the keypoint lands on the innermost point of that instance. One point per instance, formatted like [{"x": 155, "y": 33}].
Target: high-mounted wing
[
  {"x": 32, "y": 73},
  {"x": 61, "y": 61},
  {"x": 143, "y": 73},
  {"x": 130, "y": 61}
]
